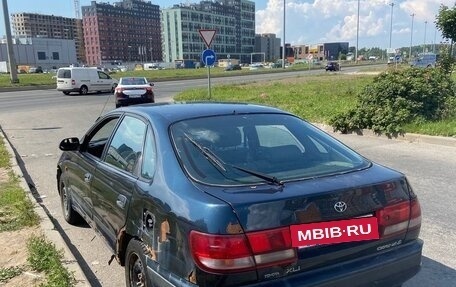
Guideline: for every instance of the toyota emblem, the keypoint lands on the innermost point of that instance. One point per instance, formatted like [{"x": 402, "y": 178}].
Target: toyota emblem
[{"x": 340, "y": 206}]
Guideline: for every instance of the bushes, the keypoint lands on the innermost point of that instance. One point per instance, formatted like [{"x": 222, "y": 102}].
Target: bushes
[{"x": 398, "y": 97}]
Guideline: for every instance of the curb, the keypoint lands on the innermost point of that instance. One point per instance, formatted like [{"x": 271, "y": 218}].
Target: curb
[
  {"x": 409, "y": 137},
  {"x": 26, "y": 88},
  {"x": 46, "y": 225}
]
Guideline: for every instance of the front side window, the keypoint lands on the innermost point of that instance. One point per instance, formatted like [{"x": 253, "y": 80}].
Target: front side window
[
  {"x": 219, "y": 150},
  {"x": 103, "y": 76},
  {"x": 96, "y": 141},
  {"x": 127, "y": 144}
]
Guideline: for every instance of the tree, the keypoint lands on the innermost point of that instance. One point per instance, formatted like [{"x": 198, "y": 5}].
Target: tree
[{"x": 446, "y": 24}]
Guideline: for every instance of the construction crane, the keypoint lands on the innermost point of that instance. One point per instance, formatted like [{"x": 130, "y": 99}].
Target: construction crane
[{"x": 77, "y": 9}]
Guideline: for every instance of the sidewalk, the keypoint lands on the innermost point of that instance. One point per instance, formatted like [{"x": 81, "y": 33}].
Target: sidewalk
[{"x": 46, "y": 225}]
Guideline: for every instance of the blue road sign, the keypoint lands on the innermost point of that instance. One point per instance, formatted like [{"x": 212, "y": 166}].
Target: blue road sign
[{"x": 208, "y": 57}]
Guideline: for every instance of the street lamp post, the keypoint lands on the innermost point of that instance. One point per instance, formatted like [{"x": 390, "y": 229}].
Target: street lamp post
[
  {"x": 411, "y": 37},
  {"x": 424, "y": 46},
  {"x": 357, "y": 35},
  {"x": 151, "y": 51},
  {"x": 283, "y": 48},
  {"x": 391, "y": 23}
]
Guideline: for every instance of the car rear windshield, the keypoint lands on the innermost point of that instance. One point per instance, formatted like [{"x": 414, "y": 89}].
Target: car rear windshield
[
  {"x": 218, "y": 150},
  {"x": 64, "y": 74},
  {"x": 133, "y": 81}
]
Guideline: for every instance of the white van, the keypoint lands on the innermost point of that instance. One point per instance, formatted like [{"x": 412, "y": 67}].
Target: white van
[{"x": 84, "y": 80}]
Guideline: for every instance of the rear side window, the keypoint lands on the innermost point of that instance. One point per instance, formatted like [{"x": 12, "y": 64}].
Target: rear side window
[{"x": 64, "y": 73}]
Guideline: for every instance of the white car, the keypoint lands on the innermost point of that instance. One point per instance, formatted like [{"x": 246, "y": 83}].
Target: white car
[
  {"x": 133, "y": 90},
  {"x": 84, "y": 80}
]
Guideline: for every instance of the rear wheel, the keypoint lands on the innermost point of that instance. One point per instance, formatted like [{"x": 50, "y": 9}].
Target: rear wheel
[
  {"x": 83, "y": 90},
  {"x": 135, "y": 268},
  {"x": 70, "y": 215}
]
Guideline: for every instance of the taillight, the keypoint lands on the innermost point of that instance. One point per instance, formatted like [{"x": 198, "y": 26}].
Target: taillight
[
  {"x": 216, "y": 253},
  {"x": 149, "y": 89},
  {"x": 73, "y": 82},
  {"x": 272, "y": 247},
  {"x": 397, "y": 218},
  {"x": 242, "y": 252}
]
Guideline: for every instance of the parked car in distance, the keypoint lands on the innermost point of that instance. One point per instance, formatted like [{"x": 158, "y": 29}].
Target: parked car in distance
[
  {"x": 231, "y": 194},
  {"x": 133, "y": 90},
  {"x": 84, "y": 80},
  {"x": 425, "y": 60},
  {"x": 233, "y": 67},
  {"x": 35, "y": 70},
  {"x": 332, "y": 66}
]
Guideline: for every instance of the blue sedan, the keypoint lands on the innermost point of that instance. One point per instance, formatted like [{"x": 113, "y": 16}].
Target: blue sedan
[{"x": 232, "y": 194}]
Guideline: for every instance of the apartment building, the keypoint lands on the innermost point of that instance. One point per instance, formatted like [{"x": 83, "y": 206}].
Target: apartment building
[
  {"x": 267, "y": 48},
  {"x": 233, "y": 20},
  {"x": 33, "y": 25},
  {"x": 127, "y": 31},
  {"x": 320, "y": 52}
]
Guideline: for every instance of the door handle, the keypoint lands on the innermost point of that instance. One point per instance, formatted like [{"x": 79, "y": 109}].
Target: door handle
[
  {"x": 87, "y": 178},
  {"x": 121, "y": 201}
]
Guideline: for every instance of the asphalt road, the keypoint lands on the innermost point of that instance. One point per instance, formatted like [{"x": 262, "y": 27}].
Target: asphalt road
[{"x": 35, "y": 122}]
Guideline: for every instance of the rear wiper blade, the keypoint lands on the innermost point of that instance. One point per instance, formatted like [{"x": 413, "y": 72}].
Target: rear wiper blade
[
  {"x": 221, "y": 165},
  {"x": 218, "y": 163},
  {"x": 267, "y": 177}
]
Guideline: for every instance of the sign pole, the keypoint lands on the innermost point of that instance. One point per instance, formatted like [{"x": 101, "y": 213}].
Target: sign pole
[
  {"x": 208, "y": 56},
  {"x": 209, "y": 81}
]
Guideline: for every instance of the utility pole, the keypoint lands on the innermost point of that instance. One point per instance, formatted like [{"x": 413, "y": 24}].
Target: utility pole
[{"x": 9, "y": 45}]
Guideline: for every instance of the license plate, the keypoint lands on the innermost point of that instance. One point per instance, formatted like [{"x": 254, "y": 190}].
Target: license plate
[{"x": 330, "y": 232}]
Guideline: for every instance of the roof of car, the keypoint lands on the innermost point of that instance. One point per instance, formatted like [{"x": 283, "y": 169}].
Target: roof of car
[{"x": 184, "y": 110}]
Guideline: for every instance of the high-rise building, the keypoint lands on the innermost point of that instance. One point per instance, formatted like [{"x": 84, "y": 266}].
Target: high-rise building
[
  {"x": 233, "y": 20},
  {"x": 124, "y": 31},
  {"x": 34, "y": 25}
]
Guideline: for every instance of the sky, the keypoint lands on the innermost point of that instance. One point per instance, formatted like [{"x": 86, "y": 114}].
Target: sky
[{"x": 311, "y": 22}]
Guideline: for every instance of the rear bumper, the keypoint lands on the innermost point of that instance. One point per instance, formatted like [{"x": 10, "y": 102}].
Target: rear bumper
[
  {"x": 391, "y": 268},
  {"x": 387, "y": 269},
  {"x": 124, "y": 100}
]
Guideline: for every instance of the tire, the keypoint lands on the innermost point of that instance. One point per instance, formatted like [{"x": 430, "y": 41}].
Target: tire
[
  {"x": 135, "y": 268},
  {"x": 66, "y": 93},
  {"x": 113, "y": 88},
  {"x": 70, "y": 215},
  {"x": 118, "y": 106},
  {"x": 83, "y": 90}
]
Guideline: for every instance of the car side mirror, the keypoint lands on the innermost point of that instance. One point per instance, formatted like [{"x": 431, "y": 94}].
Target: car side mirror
[
  {"x": 151, "y": 84},
  {"x": 69, "y": 144}
]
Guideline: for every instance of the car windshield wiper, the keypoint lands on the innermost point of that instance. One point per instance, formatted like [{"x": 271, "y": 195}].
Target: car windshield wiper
[
  {"x": 221, "y": 165},
  {"x": 218, "y": 163}
]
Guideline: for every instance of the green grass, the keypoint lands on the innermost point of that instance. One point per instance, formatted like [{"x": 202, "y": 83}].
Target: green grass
[
  {"x": 44, "y": 257},
  {"x": 17, "y": 212},
  {"x": 315, "y": 98},
  {"x": 4, "y": 156},
  {"x": 9, "y": 273},
  {"x": 154, "y": 75},
  {"x": 16, "y": 209}
]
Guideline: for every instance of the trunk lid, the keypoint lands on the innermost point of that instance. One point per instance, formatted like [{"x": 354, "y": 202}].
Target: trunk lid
[{"x": 365, "y": 193}]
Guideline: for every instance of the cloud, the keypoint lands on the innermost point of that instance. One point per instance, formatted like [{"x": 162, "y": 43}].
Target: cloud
[{"x": 315, "y": 21}]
